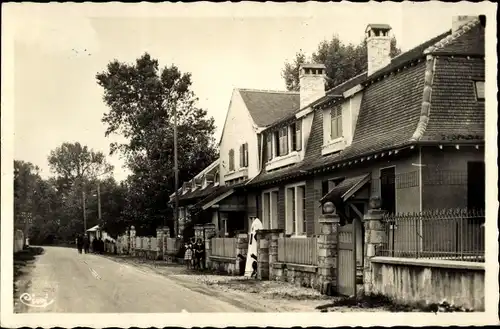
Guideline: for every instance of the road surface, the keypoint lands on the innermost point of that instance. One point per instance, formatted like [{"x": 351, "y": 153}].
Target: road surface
[{"x": 79, "y": 283}]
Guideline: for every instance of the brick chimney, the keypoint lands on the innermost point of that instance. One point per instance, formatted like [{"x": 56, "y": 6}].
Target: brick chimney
[
  {"x": 312, "y": 83},
  {"x": 458, "y": 21},
  {"x": 378, "y": 44}
]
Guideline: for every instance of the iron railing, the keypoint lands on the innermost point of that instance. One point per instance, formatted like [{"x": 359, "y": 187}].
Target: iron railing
[
  {"x": 449, "y": 234},
  {"x": 302, "y": 251}
]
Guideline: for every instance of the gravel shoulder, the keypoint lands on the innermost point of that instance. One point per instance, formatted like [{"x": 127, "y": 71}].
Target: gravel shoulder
[{"x": 250, "y": 294}]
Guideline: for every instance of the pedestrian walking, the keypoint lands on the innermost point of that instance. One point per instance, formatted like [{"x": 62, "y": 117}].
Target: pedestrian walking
[
  {"x": 86, "y": 244},
  {"x": 79, "y": 244},
  {"x": 188, "y": 255},
  {"x": 199, "y": 251},
  {"x": 100, "y": 246}
]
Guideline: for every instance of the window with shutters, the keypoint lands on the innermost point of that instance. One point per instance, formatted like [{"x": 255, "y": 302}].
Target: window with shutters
[
  {"x": 231, "y": 160},
  {"x": 244, "y": 155}
]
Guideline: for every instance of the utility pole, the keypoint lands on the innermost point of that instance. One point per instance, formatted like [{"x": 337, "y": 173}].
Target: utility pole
[
  {"x": 99, "y": 201},
  {"x": 84, "y": 214},
  {"x": 176, "y": 173}
]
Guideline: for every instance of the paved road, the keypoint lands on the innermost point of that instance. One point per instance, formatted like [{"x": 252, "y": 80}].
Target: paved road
[{"x": 90, "y": 283}]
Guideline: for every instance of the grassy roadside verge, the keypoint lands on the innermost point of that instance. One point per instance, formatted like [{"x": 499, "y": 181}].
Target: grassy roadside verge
[{"x": 23, "y": 263}]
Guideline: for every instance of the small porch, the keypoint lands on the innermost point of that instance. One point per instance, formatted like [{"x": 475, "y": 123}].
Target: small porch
[
  {"x": 351, "y": 200},
  {"x": 226, "y": 209}
]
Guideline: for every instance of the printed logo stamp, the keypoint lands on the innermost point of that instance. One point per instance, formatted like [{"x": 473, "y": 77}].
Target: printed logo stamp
[{"x": 36, "y": 301}]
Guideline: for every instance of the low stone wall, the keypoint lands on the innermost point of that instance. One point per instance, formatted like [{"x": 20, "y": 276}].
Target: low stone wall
[
  {"x": 223, "y": 265},
  {"x": 410, "y": 280},
  {"x": 297, "y": 274},
  {"x": 18, "y": 240}
]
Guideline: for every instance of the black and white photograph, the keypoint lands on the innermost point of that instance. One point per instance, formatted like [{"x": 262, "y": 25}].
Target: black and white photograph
[{"x": 316, "y": 163}]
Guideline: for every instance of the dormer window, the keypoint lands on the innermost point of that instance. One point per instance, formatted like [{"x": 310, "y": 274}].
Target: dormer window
[
  {"x": 283, "y": 146},
  {"x": 333, "y": 130},
  {"x": 336, "y": 123},
  {"x": 479, "y": 87}
]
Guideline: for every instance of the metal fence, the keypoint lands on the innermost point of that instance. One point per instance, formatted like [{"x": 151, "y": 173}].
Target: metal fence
[
  {"x": 298, "y": 250},
  {"x": 450, "y": 234},
  {"x": 223, "y": 247}
]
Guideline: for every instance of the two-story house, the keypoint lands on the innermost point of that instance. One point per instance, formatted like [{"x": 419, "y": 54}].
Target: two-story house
[
  {"x": 250, "y": 112},
  {"x": 409, "y": 130}
]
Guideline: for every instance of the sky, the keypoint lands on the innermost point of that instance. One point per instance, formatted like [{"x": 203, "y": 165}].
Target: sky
[{"x": 59, "y": 48}]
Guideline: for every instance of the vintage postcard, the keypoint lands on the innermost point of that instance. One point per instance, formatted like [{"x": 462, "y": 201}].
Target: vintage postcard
[{"x": 321, "y": 164}]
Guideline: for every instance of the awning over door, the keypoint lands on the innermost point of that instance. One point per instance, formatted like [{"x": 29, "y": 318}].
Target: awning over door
[{"x": 345, "y": 189}]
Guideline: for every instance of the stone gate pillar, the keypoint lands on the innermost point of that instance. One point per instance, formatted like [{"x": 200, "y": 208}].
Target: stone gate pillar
[
  {"x": 374, "y": 238},
  {"x": 263, "y": 241},
  {"x": 132, "y": 240},
  {"x": 275, "y": 234},
  {"x": 241, "y": 251},
  {"x": 327, "y": 250}
]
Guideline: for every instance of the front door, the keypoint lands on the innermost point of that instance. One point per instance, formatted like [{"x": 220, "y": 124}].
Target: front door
[{"x": 356, "y": 214}]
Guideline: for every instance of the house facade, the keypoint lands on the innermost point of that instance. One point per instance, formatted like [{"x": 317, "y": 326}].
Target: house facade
[{"x": 407, "y": 130}]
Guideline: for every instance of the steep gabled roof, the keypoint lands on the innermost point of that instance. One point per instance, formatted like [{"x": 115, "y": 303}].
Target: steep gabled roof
[
  {"x": 266, "y": 107},
  {"x": 395, "y": 111}
]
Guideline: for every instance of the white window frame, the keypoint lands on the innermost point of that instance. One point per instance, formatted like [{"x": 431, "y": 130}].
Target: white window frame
[
  {"x": 287, "y": 201},
  {"x": 333, "y": 144},
  {"x": 270, "y": 192},
  {"x": 337, "y": 117}
]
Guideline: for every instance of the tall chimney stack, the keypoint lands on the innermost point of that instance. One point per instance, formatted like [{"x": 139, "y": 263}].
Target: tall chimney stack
[
  {"x": 312, "y": 83},
  {"x": 378, "y": 44},
  {"x": 459, "y": 21}
]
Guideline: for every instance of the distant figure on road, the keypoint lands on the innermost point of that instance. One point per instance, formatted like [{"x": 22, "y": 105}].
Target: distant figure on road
[
  {"x": 100, "y": 246},
  {"x": 199, "y": 251},
  {"x": 86, "y": 244},
  {"x": 188, "y": 256},
  {"x": 79, "y": 243}
]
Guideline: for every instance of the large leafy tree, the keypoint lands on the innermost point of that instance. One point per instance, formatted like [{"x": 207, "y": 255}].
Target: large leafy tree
[
  {"x": 343, "y": 61},
  {"x": 72, "y": 162},
  {"x": 142, "y": 99}
]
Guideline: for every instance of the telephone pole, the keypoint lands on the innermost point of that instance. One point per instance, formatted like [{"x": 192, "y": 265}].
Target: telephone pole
[
  {"x": 176, "y": 173},
  {"x": 99, "y": 202},
  {"x": 84, "y": 214}
]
